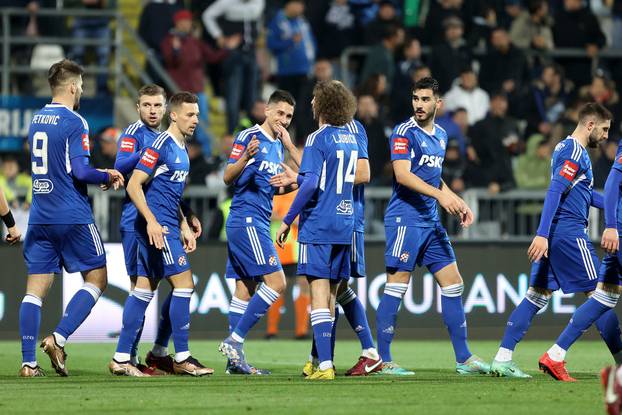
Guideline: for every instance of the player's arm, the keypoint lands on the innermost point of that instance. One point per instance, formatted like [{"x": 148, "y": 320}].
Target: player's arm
[
  {"x": 363, "y": 174},
  {"x": 127, "y": 154},
  {"x": 285, "y": 138},
  {"x": 598, "y": 201},
  {"x": 240, "y": 155},
  {"x": 137, "y": 195},
  {"x": 187, "y": 235},
  {"x": 610, "y": 240},
  {"x": 14, "y": 234},
  {"x": 192, "y": 219},
  {"x": 466, "y": 218}
]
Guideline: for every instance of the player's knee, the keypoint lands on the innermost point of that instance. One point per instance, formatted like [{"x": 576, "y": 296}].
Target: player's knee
[
  {"x": 453, "y": 290},
  {"x": 278, "y": 286},
  {"x": 538, "y": 296}
]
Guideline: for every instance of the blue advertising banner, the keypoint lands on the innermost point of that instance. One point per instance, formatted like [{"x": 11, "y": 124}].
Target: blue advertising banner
[{"x": 16, "y": 113}]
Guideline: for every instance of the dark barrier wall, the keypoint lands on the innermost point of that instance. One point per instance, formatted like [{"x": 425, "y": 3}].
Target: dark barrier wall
[{"x": 495, "y": 274}]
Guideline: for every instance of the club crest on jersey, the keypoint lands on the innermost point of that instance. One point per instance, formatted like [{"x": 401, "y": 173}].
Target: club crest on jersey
[
  {"x": 400, "y": 145},
  {"x": 404, "y": 256},
  {"x": 443, "y": 144},
  {"x": 345, "y": 207},
  {"x": 128, "y": 144},
  {"x": 569, "y": 170},
  {"x": 150, "y": 158},
  {"x": 431, "y": 161},
  {"x": 182, "y": 260},
  {"x": 85, "y": 142},
  {"x": 272, "y": 261},
  {"x": 237, "y": 151}
]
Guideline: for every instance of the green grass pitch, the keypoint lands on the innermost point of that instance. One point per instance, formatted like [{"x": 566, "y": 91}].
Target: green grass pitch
[{"x": 435, "y": 389}]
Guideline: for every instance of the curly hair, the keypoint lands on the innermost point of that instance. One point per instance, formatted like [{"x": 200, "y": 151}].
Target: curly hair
[{"x": 334, "y": 103}]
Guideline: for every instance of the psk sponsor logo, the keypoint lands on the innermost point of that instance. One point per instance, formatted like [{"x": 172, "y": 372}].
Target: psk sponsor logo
[
  {"x": 272, "y": 260},
  {"x": 42, "y": 186},
  {"x": 404, "y": 256},
  {"x": 345, "y": 207},
  {"x": 182, "y": 260}
]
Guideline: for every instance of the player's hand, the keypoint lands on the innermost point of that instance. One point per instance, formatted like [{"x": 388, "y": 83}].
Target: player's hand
[
  {"x": 188, "y": 239},
  {"x": 156, "y": 234},
  {"x": 283, "y": 135},
  {"x": 251, "y": 149},
  {"x": 13, "y": 236},
  {"x": 539, "y": 248},
  {"x": 195, "y": 225},
  {"x": 610, "y": 240},
  {"x": 467, "y": 218},
  {"x": 115, "y": 180},
  {"x": 452, "y": 204},
  {"x": 282, "y": 234},
  {"x": 286, "y": 178}
]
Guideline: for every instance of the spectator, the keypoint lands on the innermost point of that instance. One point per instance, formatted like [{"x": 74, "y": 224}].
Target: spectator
[
  {"x": 93, "y": 27},
  {"x": 601, "y": 90},
  {"x": 533, "y": 169},
  {"x": 336, "y": 32},
  {"x": 532, "y": 28},
  {"x": 257, "y": 116},
  {"x": 185, "y": 57},
  {"x": 376, "y": 86},
  {"x": 386, "y": 16},
  {"x": 303, "y": 115},
  {"x": 401, "y": 94},
  {"x": 442, "y": 11},
  {"x": 577, "y": 27},
  {"x": 421, "y": 72},
  {"x": 156, "y": 20},
  {"x": 227, "y": 21},
  {"x": 381, "y": 58},
  {"x": 603, "y": 163},
  {"x": 379, "y": 164},
  {"x": 447, "y": 58},
  {"x": 454, "y": 166},
  {"x": 495, "y": 140},
  {"x": 503, "y": 67},
  {"x": 292, "y": 43},
  {"x": 454, "y": 131},
  {"x": 217, "y": 164},
  {"x": 616, "y": 36},
  {"x": 105, "y": 147},
  {"x": 199, "y": 168},
  {"x": 466, "y": 94},
  {"x": 16, "y": 186}
]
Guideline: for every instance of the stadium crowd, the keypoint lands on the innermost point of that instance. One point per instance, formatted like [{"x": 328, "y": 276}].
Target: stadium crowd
[{"x": 508, "y": 97}]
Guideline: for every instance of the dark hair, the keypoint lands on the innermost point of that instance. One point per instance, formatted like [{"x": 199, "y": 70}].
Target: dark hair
[
  {"x": 334, "y": 102},
  {"x": 62, "y": 71},
  {"x": 534, "y": 5},
  {"x": 594, "y": 109},
  {"x": 281, "y": 95},
  {"x": 151, "y": 90},
  {"x": 183, "y": 97},
  {"x": 427, "y": 83},
  {"x": 390, "y": 31}
]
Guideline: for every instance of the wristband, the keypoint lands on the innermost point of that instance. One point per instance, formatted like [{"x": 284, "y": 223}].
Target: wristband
[{"x": 8, "y": 219}]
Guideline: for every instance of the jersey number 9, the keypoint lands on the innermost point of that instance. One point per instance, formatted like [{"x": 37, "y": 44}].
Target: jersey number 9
[{"x": 40, "y": 153}]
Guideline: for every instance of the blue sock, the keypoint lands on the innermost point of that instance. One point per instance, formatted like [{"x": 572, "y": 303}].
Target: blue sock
[
  {"x": 258, "y": 306},
  {"x": 164, "y": 325},
  {"x": 333, "y": 334},
  {"x": 180, "y": 319},
  {"x": 322, "y": 324},
  {"x": 609, "y": 328},
  {"x": 598, "y": 304},
  {"x": 134, "y": 352},
  {"x": 455, "y": 320},
  {"x": 355, "y": 313},
  {"x": 29, "y": 322},
  {"x": 133, "y": 315},
  {"x": 386, "y": 317},
  {"x": 77, "y": 310},
  {"x": 521, "y": 318},
  {"x": 313, "y": 348},
  {"x": 237, "y": 308}
]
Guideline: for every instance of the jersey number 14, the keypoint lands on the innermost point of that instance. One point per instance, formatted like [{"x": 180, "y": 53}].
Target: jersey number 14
[{"x": 348, "y": 177}]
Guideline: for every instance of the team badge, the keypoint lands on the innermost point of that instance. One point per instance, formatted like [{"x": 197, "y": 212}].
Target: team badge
[
  {"x": 272, "y": 260},
  {"x": 85, "y": 142},
  {"x": 400, "y": 145},
  {"x": 443, "y": 145},
  {"x": 569, "y": 170},
  {"x": 182, "y": 260},
  {"x": 128, "y": 145},
  {"x": 149, "y": 158},
  {"x": 404, "y": 256}
]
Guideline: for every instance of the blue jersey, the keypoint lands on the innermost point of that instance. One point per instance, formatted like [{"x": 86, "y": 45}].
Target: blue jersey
[
  {"x": 252, "y": 198},
  {"x": 328, "y": 218},
  {"x": 572, "y": 166},
  {"x": 57, "y": 135},
  {"x": 358, "y": 194},
  {"x": 135, "y": 137},
  {"x": 166, "y": 161},
  {"x": 617, "y": 164},
  {"x": 426, "y": 152}
]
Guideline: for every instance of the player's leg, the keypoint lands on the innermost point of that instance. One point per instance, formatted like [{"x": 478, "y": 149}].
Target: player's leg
[
  {"x": 322, "y": 324},
  {"x": 130, "y": 248},
  {"x": 301, "y": 307},
  {"x": 159, "y": 356}
]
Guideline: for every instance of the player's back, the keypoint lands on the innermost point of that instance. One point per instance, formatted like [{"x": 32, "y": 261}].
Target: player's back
[
  {"x": 253, "y": 194},
  {"x": 56, "y": 136},
  {"x": 358, "y": 193},
  {"x": 328, "y": 218},
  {"x": 571, "y": 164},
  {"x": 426, "y": 152}
]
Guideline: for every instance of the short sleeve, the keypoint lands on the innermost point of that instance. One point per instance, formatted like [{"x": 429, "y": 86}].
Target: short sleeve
[
  {"x": 128, "y": 144},
  {"x": 239, "y": 146},
  {"x": 567, "y": 161},
  {"x": 77, "y": 131},
  {"x": 362, "y": 141},
  {"x": 617, "y": 164},
  {"x": 400, "y": 146},
  {"x": 313, "y": 155},
  {"x": 152, "y": 157}
]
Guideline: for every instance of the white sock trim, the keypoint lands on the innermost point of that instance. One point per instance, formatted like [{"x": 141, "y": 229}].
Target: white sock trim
[
  {"x": 537, "y": 299},
  {"x": 93, "y": 290},
  {"x": 32, "y": 299},
  {"x": 122, "y": 357},
  {"x": 556, "y": 353},
  {"x": 267, "y": 294},
  {"x": 30, "y": 364},
  {"x": 237, "y": 306},
  {"x": 504, "y": 355},
  {"x": 237, "y": 337},
  {"x": 183, "y": 292},
  {"x": 321, "y": 315},
  {"x": 143, "y": 294},
  {"x": 395, "y": 289},
  {"x": 608, "y": 299},
  {"x": 454, "y": 290},
  {"x": 326, "y": 364},
  {"x": 60, "y": 339},
  {"x": 181, "y": 356},
  {"x": 346, "y": 297}
]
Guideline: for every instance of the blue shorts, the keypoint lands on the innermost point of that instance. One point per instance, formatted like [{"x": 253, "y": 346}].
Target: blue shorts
[
  {"x": 324, "y": 261},
  {"x": 571, "y": 264},
  {"x": 357, "y": 256},
  {"x": 130, "y": 251},
  {"x": 48, "y": 248},
  {"x": 409, "y": 246},
  {"x": 611, "y": 269},
  {"x": 251, "y": 253},
  {"x": 156, "y": 263}
]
